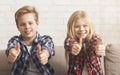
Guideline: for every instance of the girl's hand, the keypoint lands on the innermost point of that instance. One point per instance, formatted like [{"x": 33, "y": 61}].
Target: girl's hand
[
  {"x": 76, "y": 48},
  {"x": 42, "y": 55},
  {"x": 100, "y": 51},
  {"x": 14, "y": 52}
]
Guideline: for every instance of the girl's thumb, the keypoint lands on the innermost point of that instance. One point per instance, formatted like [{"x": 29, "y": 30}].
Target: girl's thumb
[{"x": 80, "y": 41}]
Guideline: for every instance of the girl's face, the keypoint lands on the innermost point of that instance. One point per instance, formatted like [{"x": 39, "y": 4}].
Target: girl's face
[
  {"x": 81, "y": 28},
  {"x": 27, "y": 25}
]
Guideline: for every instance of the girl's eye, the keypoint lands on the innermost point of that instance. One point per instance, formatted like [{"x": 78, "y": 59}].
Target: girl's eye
[
  {"x": 30, "y": 23},
  {"x": 76, "y": 26},
  {"x": 85, "y": 25}
]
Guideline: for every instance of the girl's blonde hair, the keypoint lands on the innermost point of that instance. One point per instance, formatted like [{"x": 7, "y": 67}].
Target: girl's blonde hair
[
  {"x": 24, "y": 10},
  {"x": 71, "y": 22}
]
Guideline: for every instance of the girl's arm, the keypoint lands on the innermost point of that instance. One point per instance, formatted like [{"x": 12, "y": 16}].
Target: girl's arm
[{"x": 69, "y": 43}]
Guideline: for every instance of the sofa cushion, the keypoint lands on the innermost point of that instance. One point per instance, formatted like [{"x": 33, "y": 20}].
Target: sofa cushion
[
  {"x": 58, "y": 61},
  {"x": 4, "y": 66},
  {"x": 112, "y": 59}
]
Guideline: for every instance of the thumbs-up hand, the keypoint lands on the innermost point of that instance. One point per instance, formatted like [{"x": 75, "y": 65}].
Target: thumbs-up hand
[
  {"x": 38, "y": 50},
  {"x": 42, "y": 55},
  {"x": 76, "y": 48},
  {"x": 14, "y": 52},
  {"x": 100, "y": 51}
]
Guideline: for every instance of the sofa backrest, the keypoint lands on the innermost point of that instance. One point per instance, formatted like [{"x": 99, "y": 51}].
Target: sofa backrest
[
  {"x": 112, "y": 59},
  {"x": 4, "y": 66},
  {"x": 58, "y": 61}
]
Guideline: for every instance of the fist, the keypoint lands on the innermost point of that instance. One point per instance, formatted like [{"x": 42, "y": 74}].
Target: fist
[
  {"x": 42, "y": 55},
  {"x": 76, "y": 48},
  {"x": 13, "y": 53},
  {"x": 100, "y": 51}
]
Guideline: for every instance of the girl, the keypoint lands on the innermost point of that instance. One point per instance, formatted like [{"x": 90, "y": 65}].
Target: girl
[{"x": 83, "y": 46}]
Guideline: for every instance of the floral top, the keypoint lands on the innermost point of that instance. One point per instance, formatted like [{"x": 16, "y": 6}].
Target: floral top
[
  {"x": 87, "y": 56},
  {"x": 20, "y": 66}
]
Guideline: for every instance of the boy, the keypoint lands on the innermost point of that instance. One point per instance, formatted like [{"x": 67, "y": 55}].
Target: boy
[{"x": 29, "y": 52}]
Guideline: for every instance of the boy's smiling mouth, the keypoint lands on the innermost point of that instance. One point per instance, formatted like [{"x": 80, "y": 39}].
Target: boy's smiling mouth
[{"x": 28, "y": 31}]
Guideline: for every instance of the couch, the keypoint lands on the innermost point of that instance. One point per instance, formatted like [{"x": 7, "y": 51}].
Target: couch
[
  {"x": 111, "y": 61},
  {"x": 58, "y": 62}
]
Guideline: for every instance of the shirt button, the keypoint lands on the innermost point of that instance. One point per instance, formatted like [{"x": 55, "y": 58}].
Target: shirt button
[{"x": 75, "y": 68}]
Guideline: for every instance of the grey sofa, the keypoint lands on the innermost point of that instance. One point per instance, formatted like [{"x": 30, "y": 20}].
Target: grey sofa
[
  {"x": 58, "y": 62},
  {"x": 111, "y": 61}
]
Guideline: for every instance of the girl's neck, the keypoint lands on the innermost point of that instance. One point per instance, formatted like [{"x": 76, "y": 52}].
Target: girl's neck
[{"x": 83, "y": 40}]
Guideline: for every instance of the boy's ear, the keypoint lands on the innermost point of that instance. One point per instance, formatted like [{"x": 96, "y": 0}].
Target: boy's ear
[{"x": 17, "y": 27}]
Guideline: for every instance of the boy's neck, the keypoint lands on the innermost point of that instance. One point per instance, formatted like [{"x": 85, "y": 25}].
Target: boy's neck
[{"x": 28, "y": 41}]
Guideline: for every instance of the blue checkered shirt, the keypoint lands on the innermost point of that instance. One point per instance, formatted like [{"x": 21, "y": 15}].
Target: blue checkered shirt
[{"x": 22, "y": 62}]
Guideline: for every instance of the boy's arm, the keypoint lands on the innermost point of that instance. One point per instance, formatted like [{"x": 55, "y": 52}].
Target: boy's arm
[
  {"x": 12, "y": 43},
  {"x": 47, "y": 45}
]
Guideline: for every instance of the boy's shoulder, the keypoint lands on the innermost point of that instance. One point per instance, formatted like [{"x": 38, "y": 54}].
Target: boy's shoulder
[
  {"x": 15, "y": 38},
  {"x": 46, "y": 37}
]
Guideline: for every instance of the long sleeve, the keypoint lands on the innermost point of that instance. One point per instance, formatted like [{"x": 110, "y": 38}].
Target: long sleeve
[
  {"x": 69, "y": 43},
  {"x": 11, "y": 44},
  {"x": 47, "y": 44}
]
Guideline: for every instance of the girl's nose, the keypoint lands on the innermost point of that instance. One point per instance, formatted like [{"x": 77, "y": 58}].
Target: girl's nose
[{"x": 81, "y": 28}]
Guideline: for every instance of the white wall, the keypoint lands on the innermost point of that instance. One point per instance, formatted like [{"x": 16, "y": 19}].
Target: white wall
[{"x": 54, "y": 14}]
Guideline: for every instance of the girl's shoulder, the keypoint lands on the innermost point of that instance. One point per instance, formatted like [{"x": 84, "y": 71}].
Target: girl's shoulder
[{"x": 70, "y": 41}]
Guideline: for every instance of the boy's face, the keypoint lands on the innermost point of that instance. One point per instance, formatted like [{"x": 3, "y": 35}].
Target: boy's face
[
  {"x": 27, "y": 25},
  {"x": 81, "y": 28}
]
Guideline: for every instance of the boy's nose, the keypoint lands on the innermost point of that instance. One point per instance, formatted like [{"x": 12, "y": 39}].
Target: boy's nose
[{"x": 27, "y": 26}]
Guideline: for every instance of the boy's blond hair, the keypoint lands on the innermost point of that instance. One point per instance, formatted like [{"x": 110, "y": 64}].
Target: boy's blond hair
[{"x": 24, "y": 10}]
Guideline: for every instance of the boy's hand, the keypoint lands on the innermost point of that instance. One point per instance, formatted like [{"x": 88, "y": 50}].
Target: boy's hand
[
  {"x": 42, "y": 55},
  {"x": 14, "y": 52},
  {"x": 76, "y": 48},
  {"x": 100, "y": 51}
]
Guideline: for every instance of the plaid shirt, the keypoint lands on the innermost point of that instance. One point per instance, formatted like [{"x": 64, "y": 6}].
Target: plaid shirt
[
  {"x": 87, "y": 56},
  {"x": 21, "y": 64}
]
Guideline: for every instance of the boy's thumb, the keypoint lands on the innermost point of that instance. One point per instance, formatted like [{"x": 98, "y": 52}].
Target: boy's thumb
[
  {"x": 18, "y": 48},
  {"x": 39, "y": 48}
]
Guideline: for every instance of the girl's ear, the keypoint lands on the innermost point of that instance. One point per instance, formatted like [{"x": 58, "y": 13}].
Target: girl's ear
[{"x": 37, "y": 22}]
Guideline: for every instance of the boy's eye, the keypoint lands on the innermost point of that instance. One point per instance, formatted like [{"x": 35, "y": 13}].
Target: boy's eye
[{"x": 22, "y": 24}]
